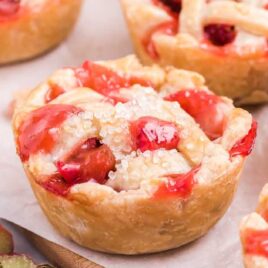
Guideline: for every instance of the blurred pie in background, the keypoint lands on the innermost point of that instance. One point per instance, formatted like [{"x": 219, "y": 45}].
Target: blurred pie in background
[
  {"x": 224, "y": 40},
  {"x": 31, "y": 27}
]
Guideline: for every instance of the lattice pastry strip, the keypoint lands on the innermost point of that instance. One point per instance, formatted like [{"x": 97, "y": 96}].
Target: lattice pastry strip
[{"x": 249, "y": 17}]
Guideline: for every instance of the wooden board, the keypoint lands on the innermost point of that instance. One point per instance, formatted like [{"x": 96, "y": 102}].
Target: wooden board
[{"x": 58, "y": 255}]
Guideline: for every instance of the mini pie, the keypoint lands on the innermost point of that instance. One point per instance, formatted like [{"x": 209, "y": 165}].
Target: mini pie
[
  {"x": 31, "y": 27},
  {"x": 131, "y": 159},
  {"x": 254, "y": 234},
  {"x": 224, "y": 40}
]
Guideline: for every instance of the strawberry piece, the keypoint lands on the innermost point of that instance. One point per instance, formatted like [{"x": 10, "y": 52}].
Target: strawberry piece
[
  {"x": 9, "y": 7},
  {"x": 38, "y": 131},
  {"x": 103, "y": 80},
  {"x": 256, "y": 242},
  {"x": 150, "y": 133},
  {"x": 245, "y": 145},
  {"x": 220, "y": 34},
  {"x": 178, "y": 185},
  {"x": 208, "y": 110},
  {"x": 89, "y": 161}
]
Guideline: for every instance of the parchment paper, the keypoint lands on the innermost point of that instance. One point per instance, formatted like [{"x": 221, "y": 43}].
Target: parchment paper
[{"x": 101, "y": 34}]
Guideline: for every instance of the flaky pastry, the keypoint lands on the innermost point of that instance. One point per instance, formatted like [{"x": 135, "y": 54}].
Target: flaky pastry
[
  {"x": 131, "y": 159},
  {"x": 31, "y": 27},
  {"x": 224, "y": 40}
]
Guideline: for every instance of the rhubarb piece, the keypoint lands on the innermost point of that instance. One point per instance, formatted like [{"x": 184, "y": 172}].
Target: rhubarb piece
[
  {"x": 6, "y": 241},
  {"x": 16, "y": 261}
]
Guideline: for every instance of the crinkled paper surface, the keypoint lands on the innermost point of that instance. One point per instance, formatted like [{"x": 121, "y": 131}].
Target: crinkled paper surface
[{"x": 101, "y": 34}]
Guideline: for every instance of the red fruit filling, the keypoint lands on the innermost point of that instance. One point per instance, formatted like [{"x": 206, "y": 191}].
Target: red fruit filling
[
  {"x": 9, "y": 7},
  {"x": 178, "y": 185},
  {"x": 53, "y": 92},
  {"x": 105, "y": 81},
  {"x": 208, "y": 110},
  {"x": 245, "y": 145},
  {"x": 39, "y": 130},
  {"x": 89, "y": 161},
  {"x": 256, "y": 242},
  {"x": 150, "y": 133},
  {"x": 173, "y": 6},
  {"x": 168, "y": 28},
  {"x": 220, "y": 34}
]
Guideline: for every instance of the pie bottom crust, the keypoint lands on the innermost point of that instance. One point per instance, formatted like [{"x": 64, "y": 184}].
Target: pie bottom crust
[
  {"x": 39, "y": 31},
  {"x": 141, "y": 225}
]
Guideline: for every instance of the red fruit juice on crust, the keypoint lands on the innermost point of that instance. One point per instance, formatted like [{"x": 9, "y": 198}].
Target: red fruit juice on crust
[
  {"x": 56, "y": 185},
  {"x": 53, "y": 92},
  {"x": 177, "y": 185},
  {"x": 245, "y": 145},
  {"x": 38, "y": 131},
  {"x": 150, "y": 133},
  {"x": 208, "y": 110},
  {"x": 255, "y": 242}
]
